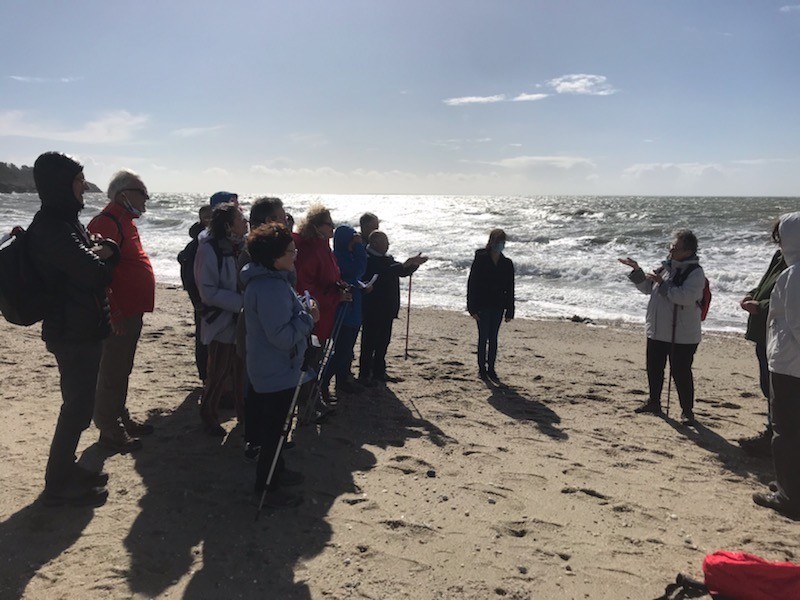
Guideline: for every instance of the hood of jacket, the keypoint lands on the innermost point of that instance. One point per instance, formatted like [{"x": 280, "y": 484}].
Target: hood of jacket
[
  {"x": 253, "y": 270},
  {"x": 789, "y": 230},
  {"x": 341, "y": 240},
  {"x": 54, "y": 174},
  {"x": 195, "y": 230}
]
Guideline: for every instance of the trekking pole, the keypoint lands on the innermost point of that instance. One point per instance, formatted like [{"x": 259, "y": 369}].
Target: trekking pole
[
  {"x": 671, "y": 353},
  {"x": 327, "y": 353},
  {"x": 408, "y": 315},
  {"x": 284, "y": 434}
]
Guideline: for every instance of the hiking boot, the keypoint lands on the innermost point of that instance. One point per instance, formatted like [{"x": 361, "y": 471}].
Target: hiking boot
[
  {"x": 251, "y": 453},
  {"x": 278, "y": 499},
  {"x": 776, "y": 502},
  {"x": 136, "y": 428},
  {"x": 687, "y": 419},
  {"x": 74, "y": 495},
  {"x": 120, "y": 442},
  {"x": 773, "y": 486},
  {"x": 492, "y": 375},
  {"x": 649, "y": 407},
  {"x": 289, "y": 478},
  {"x": 85, "y": 477}
]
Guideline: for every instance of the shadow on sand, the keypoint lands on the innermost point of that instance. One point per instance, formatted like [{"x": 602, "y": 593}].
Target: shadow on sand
[
  {"x": 198, "y": 516},
  {"x": 509, "y": 401}
]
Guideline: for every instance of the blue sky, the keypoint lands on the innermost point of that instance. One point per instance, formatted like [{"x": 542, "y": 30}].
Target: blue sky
[{"x": 692, "y": 97}]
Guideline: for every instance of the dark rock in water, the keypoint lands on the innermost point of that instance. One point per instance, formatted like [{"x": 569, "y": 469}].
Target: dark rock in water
[{"x": 580, "y": 319}]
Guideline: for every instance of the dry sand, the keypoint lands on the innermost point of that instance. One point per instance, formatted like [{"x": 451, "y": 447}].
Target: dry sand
[{"x": 435, "y": 487}]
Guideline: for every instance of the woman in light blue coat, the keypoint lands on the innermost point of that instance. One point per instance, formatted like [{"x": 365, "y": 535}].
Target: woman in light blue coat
[{"x": 278, "y": 327}]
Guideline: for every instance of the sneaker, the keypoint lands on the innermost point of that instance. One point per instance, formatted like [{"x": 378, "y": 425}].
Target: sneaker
[
  {"x": 83, "y": 476},
  {"x": 776, "y": 502},
  {"x": 289, "y": 478},
  {"x": 120, "y": 442},
  {"x": 649, "y": 407},
  {"x": 251, "y": 453},
  {"x": 278, "y": 499},
  {"x": 492, "y": 375},
  {"x": 773, "y": 486},
  {"x": 688, "y": 419},
  {"x": 136, "y": 428},
  {"x": 75, "y": 496}
]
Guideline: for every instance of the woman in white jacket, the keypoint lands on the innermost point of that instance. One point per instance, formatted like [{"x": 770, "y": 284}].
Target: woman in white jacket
[
  {"x": 783, "y": 356},
  {"x": 673, "y": 321},
  {"x": 216, "y": 274}
]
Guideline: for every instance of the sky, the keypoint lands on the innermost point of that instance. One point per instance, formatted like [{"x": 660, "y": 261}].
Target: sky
[{"x": 497, "y": 97}]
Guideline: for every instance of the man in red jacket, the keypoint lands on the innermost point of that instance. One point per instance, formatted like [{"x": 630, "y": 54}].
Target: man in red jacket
[{"x": 132, "y": 293}]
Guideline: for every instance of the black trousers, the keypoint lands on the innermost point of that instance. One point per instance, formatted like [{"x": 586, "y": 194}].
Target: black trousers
[
  {"x": 680, "y": 365},
  {"x": 78, "y": 365},
  {"x": 375, "y": 337},
  {"x": 786, "y": 435},
  {"x": 200, "y": 349},
  {"x": 270, "y": 409}
]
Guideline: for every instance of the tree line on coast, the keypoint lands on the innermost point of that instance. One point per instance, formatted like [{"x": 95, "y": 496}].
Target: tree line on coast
[{"x": 20, "y": 180}]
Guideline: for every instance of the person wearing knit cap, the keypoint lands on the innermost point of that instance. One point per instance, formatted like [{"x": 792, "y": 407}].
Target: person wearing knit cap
[{"x": 76, "y": 269}]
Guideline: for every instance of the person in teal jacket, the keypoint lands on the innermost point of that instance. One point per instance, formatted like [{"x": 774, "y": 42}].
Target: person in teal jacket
[{"x": 756, "y": 303}]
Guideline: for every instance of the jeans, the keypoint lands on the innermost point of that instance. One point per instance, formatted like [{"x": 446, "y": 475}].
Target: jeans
[
  {"x": 489, "y": 321},
  {"x": 78, "y": 364},
  {"x": 681, "y": 367}
]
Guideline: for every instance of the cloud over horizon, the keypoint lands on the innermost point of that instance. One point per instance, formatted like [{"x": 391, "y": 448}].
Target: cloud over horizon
[{"x": 110, "y": 127}]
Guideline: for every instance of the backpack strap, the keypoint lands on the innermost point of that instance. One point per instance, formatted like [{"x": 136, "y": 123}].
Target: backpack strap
[{"x": 114, "y": 218}]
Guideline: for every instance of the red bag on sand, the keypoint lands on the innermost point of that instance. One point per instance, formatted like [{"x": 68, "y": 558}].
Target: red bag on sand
[{"x": 742, "y": 576}]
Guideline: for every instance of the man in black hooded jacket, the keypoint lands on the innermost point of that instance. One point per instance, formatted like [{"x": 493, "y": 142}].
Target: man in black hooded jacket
[{"x": 76, "y": 270}]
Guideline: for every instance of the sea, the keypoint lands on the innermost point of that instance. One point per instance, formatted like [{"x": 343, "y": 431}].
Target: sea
[{"x": 564, "y": 248}]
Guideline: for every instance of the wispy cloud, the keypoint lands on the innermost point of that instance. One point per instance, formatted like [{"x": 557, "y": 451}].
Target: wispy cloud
[
  {"x": 582, "y": 83},
  {"x": 457, "y": 143},
  {"x": 764, "y": 161},
  {"x": 532, "y": 162},
  {"x": 474, "y": 100},
  {"x": 196, "y": 131},
  {"x": 790, "y": 8},
  {"x": 217, "y": 172},
  {"x": 28, "y": 79},
  {"x": 651, "y": 170},
  {"x": 111, "y": 127},
  {"x": 529, "y": 97},
  {"x": 311, "y": 140}
]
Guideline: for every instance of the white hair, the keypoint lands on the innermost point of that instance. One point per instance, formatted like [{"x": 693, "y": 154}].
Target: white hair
[{"x": 122, "y": 180}]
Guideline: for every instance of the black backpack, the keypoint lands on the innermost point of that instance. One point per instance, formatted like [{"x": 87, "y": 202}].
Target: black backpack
[
  {"x": 23, "y": 295},
  {"x": 186, "y": 260}
]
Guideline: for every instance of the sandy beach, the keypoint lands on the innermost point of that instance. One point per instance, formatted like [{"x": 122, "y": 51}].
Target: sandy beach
[{"x": 437, "y": 486}]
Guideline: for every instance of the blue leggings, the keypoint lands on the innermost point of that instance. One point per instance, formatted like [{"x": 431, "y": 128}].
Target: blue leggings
[{"x": 488, "y": 328}]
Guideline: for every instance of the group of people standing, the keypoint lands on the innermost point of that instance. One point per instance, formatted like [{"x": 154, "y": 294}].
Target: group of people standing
[
  {"x": 279, "y": 312},
  {"x": 271, "y": 307}
]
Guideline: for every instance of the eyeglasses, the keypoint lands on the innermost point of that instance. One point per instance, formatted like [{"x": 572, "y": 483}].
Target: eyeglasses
[{"x": 141, "y": 191}]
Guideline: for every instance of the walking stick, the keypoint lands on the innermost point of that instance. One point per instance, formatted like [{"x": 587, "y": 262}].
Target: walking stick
[
  {"x": 327, "y": 352},
  {"x": 284, "y": 434},
  {"x": 408, "y": 315},
  {"x": 671, "y": 353}
]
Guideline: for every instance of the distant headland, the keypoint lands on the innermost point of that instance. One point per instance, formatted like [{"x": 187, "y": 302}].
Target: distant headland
[{"x": 20, "y": 180}]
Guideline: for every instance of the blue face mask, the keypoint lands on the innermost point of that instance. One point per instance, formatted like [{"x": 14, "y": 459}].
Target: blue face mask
[
  {"x": 499, "y": 246},
  {"x": 134, "y": 211}
]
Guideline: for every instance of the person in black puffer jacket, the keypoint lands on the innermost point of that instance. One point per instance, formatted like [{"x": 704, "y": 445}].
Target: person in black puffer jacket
[
  {"x": 76, "y": 270},
  {"x": 490, "y": 297}
]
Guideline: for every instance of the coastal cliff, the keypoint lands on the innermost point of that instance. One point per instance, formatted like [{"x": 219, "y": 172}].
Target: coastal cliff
[{"x": 20, "y": 180}]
